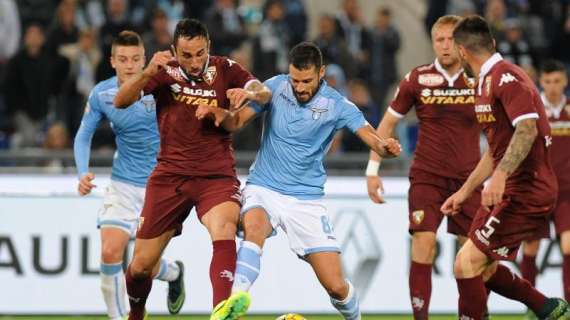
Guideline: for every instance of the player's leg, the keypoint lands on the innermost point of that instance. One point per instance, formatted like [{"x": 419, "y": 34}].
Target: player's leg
[
  {"x": 427, "y": 193},
  {"x": 113, "y": 244},
  {"x": 528, "y": 267},
  {"x": 328, "y": 268},
  {"x": 256, "y": 228},
  {"x": 117, "y": 221},
  {"x": 491, "y": 240},
  {"x": 562, "y": 227},
  {"x": 144, "y": 265},
  {"x": 565, "y": 246}
]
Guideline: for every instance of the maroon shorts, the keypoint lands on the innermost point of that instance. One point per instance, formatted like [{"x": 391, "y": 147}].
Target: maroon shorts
[
  {"x": 561, "y": 215},
  {"x": 499, "y": 232},
  {"x": 170, "y": 197},
  {"x": 427, "y": 194}
]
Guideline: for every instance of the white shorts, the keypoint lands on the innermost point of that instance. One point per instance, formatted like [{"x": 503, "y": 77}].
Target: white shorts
[
  {"x": 122, "y": 206},
  {"x": 305, "y": 222}
]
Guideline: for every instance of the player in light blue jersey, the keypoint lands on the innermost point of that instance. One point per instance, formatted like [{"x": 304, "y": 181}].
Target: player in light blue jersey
[
  {"x": 137, "y": 142},
  {"x": 285, "y": 185}
]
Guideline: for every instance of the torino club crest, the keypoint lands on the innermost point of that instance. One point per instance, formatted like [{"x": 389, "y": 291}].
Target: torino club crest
[{"x": 210, "y": 75}]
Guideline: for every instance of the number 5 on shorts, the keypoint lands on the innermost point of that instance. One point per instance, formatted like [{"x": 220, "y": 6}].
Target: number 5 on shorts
[{"x": 489, "y": 230}]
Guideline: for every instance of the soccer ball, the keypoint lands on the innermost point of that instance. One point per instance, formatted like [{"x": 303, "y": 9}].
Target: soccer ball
[{"x": 291, "y": 316}]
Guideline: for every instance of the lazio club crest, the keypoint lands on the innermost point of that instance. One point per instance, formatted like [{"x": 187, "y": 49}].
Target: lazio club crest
[
  {"x": 418, "y": 216},
  {"x": 317, "y": 112}
]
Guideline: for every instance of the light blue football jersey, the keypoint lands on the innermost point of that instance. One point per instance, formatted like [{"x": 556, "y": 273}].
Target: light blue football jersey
[
  {"x": 296, "y": 138},
  {"x": 136, "y": 134}
]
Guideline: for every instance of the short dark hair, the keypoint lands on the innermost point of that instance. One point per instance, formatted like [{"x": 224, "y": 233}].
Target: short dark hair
[
  {"x": 190, "y": 28},
  {"x": 126, "y": 38},
  {"x": 474, "y": 33},
  {"x": 305, "y": 55},
  {"x": 552, "y": 65}
]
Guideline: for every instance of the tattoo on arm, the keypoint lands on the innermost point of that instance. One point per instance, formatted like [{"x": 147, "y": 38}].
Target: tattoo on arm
[{"x": 520, "y": 145}]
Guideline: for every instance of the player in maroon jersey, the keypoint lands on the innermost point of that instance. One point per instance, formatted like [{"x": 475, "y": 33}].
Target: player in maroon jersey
[
  {"x": 553, "y": 80},
  {"x": 521, "y": 192},
  {"x": 447, "y": 151},
  {"x": 196, "y": 166}
]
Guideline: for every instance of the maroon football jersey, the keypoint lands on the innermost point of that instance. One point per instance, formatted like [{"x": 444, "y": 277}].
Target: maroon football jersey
[
  {"x": 190, "y": 146},
  {"x": 559, "y": 118},
  {"x": 506, "y": 95},
  {"x": 448, "y": 138}
]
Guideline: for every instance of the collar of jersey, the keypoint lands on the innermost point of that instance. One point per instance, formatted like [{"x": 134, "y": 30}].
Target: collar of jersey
[
  {"x": 188, "y": 77},
  {"x": 450, "y": 78},
  {"x": 486, "y": 67},
  {"x": 555, "y": 109}
]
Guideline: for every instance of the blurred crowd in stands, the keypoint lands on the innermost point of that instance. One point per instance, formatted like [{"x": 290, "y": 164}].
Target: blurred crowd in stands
[{"x": 54, "y": 51}]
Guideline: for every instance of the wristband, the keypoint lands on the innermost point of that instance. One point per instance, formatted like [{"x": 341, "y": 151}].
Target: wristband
[{"x": 372, "y": 168}]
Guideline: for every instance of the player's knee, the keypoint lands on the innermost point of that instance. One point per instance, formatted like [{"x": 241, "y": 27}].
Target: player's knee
[
  {"x": 111, "y": 254},
  {"x": 337, "y": 289},
  {"x": 423, "y": 247},
  {"x": 256, "y": 228},
  {"x": 223, "y": 230},
  {"x": 141, "y": 268}
]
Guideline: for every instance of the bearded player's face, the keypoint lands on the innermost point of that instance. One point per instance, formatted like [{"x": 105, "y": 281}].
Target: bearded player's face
[
  {"x": 305, "y": 82},
  {"x": 443, "y": 45},
  {"x": 127, "y": 61},
  {"x": 192, "y": 54}
]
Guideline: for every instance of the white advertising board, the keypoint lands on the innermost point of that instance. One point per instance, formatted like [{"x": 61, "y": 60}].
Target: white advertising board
[{"x": 49, "y": 255}]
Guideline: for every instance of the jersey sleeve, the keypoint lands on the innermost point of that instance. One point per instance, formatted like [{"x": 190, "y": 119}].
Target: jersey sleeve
[
  {"x": 272, "y": 84},
  {"x": 157, "y": 81},
  {"x": 82, "y": 143},
  {"x": 237, "y": 76},
  {"x": 405, "y": 96},
  {"x": 518, "y": 98},
  {"x": 350, "y": 116}
]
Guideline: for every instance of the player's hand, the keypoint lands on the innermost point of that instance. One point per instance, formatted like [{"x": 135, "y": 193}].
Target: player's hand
[
  {"x": 453, "y": 204},
  {"x": 238, "y": 97},
  {"x": 493, "y": 191},
  {"x": 159, "y": 61},
  {"x": 217, "y": 114},
  {"x": 375, "y": 189},
  {"x": 392, "y": 148},
  {"x": 85, "y": 186}
]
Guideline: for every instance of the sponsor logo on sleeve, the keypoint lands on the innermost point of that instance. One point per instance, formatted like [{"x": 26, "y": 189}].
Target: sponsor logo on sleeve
[
  {"x": 507, "y": 78},
  {"x": 430, "y": 79}
]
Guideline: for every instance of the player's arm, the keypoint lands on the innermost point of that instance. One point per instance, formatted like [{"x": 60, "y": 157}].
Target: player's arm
[
  {"x": 82, "y": 145},
  {"x": 518, "y": 149},
  {"x": 383, "y": 147},
  {"x": 254, "y": 91},
  {"x": 230, "y": 120},
  {"x": 130, "y": 91},
  {"x": 403, "y": 101}
]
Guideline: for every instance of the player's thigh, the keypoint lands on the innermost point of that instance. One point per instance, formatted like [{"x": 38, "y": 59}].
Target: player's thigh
[
  {"x": 470, "y": 261},
  {"x": 425, "y": 197},
  {"x": 530, "y": 247},
  {"x": 499, "y": 232},
  {"x": 565, "y": 242},
  {"x": 328, "y": 269},
  {"x": 561, "y": 214},
  {"x": 308, "y": 227},
  {"x": 260, "y": 213},
  {"x": 121, "y": 208},
  {"x": 218, "y": 205},
  {"x": 114, "y": 241},
  {"x": 165, "y": 207}
]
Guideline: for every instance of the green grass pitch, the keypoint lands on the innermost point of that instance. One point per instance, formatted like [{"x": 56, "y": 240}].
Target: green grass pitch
[{"x": 203, "y": 317}]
